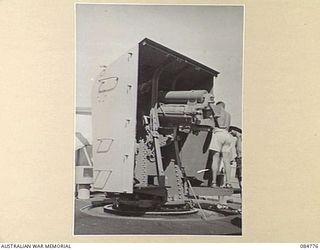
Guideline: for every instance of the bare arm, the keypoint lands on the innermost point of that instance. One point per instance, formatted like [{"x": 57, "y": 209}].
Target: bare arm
[{"x": 228, "y": 121}]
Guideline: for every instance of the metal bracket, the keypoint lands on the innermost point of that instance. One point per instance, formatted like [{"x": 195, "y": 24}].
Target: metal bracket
[
  {"x": 100, "y": 184},
  {"x": 101, "y": 144},
  {"x": 129, "y": 55},
  {"x": 104, "y": 81}
]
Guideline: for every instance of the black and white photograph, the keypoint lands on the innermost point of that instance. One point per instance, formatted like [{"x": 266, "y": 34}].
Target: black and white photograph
[
  {"x": 158, "y": 119},
  {"x": 176, "y": 122}
]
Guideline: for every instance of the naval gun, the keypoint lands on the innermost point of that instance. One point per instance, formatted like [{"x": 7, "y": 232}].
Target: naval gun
[{"x": 151, "y": 113}]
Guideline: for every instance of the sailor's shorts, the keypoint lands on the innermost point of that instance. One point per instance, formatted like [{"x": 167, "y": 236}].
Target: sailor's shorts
[{"x": 221, "y": 141}]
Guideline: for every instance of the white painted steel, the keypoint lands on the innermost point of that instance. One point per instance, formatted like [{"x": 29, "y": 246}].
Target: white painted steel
[{"x": 114, "y": 101}]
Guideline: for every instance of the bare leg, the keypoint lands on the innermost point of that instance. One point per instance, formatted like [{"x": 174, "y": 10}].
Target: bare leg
[
  {"x": 226, "y": 162},
  {"x": 238, "y": 170},
  {"x": 220, "y": 167},
  {"x": 215, "y": 165}
]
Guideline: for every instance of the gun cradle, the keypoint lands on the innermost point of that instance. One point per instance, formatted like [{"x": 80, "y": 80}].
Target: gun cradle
[{"x": 158, "y": 128}]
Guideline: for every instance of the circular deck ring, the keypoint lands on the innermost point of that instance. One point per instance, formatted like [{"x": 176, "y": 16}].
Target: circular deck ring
[{"x": 109, "y": 209}]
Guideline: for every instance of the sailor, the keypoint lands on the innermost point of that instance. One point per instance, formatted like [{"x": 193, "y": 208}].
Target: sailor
[
  {"x": 238, "y": 158},
  {"x": 221, "y": 142}
]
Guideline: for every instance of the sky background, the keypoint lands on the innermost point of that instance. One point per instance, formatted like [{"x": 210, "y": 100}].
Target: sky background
[{"x": 211, "y": 35}]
